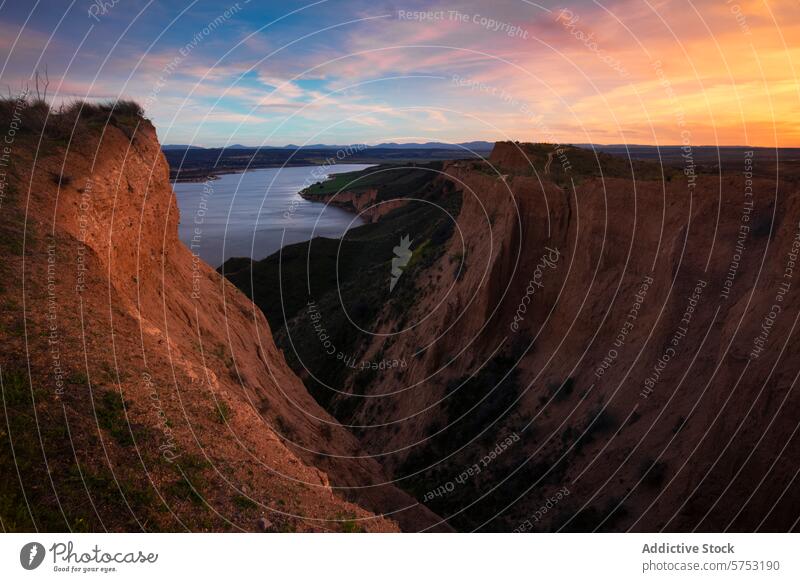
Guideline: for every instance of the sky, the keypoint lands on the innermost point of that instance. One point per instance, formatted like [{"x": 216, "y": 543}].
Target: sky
[{"x": 699, "y": 72}]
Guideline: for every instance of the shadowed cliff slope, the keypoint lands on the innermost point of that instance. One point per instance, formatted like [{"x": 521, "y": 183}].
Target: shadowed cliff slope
[{"x": 597, "y": 344}]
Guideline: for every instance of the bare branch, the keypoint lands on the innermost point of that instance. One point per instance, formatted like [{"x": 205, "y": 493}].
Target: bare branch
[{"x": 46, "y": 82}]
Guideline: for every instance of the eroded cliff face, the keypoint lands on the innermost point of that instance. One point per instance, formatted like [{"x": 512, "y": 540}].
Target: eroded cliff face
[
  {"x": 621, "y": 345},
  {"x": 159, "y": 383},
  {"x": 364, "y": 203}
]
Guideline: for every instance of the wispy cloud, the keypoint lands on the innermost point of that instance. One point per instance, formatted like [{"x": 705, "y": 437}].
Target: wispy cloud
[{"x": 619, "y": 71}]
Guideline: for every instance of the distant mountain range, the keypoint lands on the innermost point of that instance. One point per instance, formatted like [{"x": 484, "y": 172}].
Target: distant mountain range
[
  {"x": 470, "y": 145},
  {"x": 634, "y": 150}
]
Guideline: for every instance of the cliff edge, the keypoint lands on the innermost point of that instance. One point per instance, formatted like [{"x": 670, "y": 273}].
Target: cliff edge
[{"x": 141, "y": 390}]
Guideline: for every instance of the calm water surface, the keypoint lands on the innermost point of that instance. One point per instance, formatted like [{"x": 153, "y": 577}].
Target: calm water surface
[{"x": 252, "y": 214}]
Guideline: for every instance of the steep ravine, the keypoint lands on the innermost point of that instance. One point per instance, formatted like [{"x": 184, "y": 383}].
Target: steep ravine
[
  {"x": 598, "y": 351},
  {"x": 160, "y": 398}
]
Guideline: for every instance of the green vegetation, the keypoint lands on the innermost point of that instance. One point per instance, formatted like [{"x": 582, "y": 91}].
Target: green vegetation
[
  {"x": 480, "y": 408},
  {"x": 11, "y": 221},
  {"x": 349, "y": 523},
  {"x": 223, "y": 412},
  {"x": 338, "y": 183},
  {"x": 220, "y": 352},
  {"x": 191, "y": 481},
  {"x": 11, "y": 238},
  {"x": 349, "y": 279},
  {"x": 243, "y": 502},
  {"x": 110, "y": 410},
  {"x": 49, "y": 479},
  {"x": 59, "y": 125},
  {"x": 564, "y": 163},
  {"x": 390, "y": 181},
  {"x": 78, "y": 379}
]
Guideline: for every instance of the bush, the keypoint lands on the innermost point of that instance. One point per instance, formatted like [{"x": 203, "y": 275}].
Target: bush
[
  {"x": 600, "y": 422},
  {"x": 243, "y": 502},
  {"x": 223, "y": 412},
  {"x": 61, "y": 179},
  {"x": 36, "y": 117},
  {"x": 563, "y": 391},
  {"x": 111, "y": 417}
]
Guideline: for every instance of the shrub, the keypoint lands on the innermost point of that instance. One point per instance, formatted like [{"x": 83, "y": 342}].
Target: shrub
[
  {"x": 244, "y": 502},
  {"x": 349, "y": 525},
  {"x": 563, "y": 391},
  {"x": 653, "y": 473},
  {"x": 600, "y": 422},
  {"x": 61, "y": 179},
  {"x": 37, "y": 117},
  {"x": 223, "y": 412},
  {"x": 110, "y": 412}
]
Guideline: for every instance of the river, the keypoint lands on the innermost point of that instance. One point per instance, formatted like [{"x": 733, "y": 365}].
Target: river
[{"x": 252, "y": 214}]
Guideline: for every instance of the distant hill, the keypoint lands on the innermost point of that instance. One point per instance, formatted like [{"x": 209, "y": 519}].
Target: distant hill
[
  {"x": 198, "y": 164},
  {"x": 181, "y": 147},
  {"x": 470, "y": 145}
]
